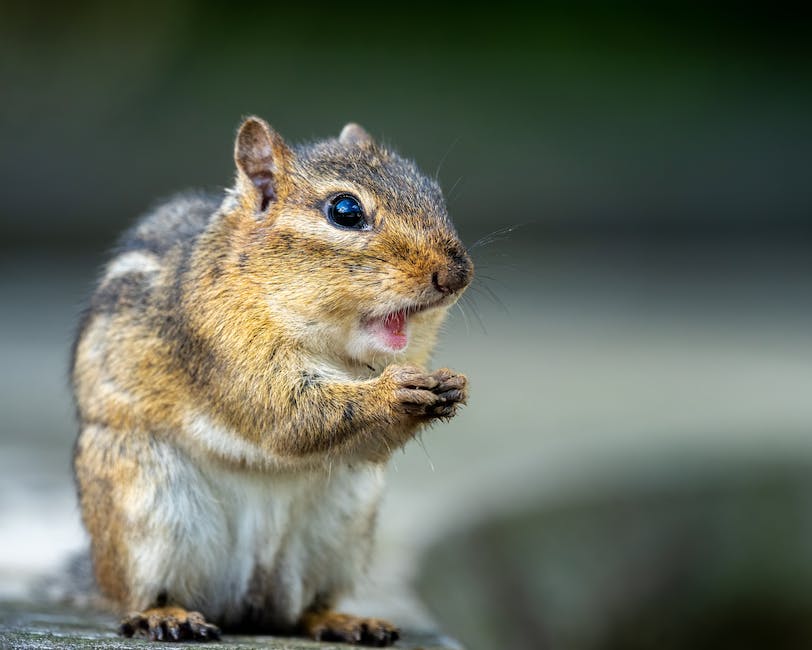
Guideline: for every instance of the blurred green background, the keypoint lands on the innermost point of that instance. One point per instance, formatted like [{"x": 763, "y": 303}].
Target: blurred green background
[
  {"x": 596, "y": 116},
  {"x": 639, "y": 346}
]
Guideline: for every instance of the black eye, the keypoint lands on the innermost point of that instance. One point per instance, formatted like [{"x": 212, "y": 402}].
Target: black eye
[{"x": 345, "y": 211}]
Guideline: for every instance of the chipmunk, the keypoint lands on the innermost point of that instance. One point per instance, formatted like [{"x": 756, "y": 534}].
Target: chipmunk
[{"x": 245, "y": 369}]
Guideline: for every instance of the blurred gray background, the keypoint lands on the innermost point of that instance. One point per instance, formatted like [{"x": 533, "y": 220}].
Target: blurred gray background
[{"x": 631, "y": 470}]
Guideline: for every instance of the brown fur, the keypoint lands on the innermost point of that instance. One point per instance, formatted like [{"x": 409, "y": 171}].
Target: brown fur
[{"x": 236, "y": 310}]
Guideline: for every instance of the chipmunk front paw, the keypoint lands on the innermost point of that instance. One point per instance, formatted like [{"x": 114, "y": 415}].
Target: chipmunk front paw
[
  {"x": 431, "y": 395},
  {"x": 169, "y": 624}
]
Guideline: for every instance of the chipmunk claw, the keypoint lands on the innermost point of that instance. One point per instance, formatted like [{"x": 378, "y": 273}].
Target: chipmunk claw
[
  {"x": 451, "y": 383},
  {"x": 379, "y": 633},
  {"x": 204, "y": 630},
  {"x": 433, "y": 395},
  {"x": 169, "y": 624}
]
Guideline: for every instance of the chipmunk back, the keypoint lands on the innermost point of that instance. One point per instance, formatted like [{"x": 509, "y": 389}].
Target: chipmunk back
[{"x": 247, "y": 366}]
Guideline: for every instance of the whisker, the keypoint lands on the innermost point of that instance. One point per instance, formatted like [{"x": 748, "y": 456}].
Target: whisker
[
  {"x": 490, "y": 278},
  {"x": 464, "y": 317},
  {"x": 425, "y": 451},
  {"x": 502, "y": 265},
  {"x": 492, "y": 296},
  {"x": 445, "y": 155},
  {"x": 450, "y": 194},
  {"x": 496, "y": 235},
  {"x": 469, "y": 301}
]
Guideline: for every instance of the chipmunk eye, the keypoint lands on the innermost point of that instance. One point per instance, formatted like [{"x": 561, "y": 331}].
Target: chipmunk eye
[{"x": 345, "y": 211}]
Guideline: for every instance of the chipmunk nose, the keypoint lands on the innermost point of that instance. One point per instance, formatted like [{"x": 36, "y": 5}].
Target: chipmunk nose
[{"x": 455, "y": 275}]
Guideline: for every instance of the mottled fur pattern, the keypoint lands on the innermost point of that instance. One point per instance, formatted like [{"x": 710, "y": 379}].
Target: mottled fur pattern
[{"x": 235, "y": 411}]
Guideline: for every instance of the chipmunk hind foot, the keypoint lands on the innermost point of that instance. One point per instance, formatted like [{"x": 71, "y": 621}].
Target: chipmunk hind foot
[{"x": 328, "y": 625}]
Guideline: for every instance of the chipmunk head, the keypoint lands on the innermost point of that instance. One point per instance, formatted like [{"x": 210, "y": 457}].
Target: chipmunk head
[{"x": 351, "y": 246}]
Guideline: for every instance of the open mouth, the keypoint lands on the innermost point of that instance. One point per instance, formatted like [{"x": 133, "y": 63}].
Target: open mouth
[{"x": 390, "y": 329}]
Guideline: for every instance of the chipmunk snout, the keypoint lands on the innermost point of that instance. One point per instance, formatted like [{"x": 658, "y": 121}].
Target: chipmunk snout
[{"x": 454, "y": 276}]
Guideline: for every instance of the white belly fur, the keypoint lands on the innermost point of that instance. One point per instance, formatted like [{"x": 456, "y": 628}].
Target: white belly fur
[{"x": 239, "y": 544}]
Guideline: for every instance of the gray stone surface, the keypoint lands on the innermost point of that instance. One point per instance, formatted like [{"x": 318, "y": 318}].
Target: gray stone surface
[{"x": 39, "y": 626}]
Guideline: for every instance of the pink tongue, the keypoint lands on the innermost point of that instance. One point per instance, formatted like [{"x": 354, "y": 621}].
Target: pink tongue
[
  {"x": 394, "y": 323},
  {"x": 393, "y": 330}
]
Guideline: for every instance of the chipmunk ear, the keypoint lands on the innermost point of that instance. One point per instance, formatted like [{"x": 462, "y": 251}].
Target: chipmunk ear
[
  {"x": 354, "y": 134},
  {"x": 262, "y": 158}
]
